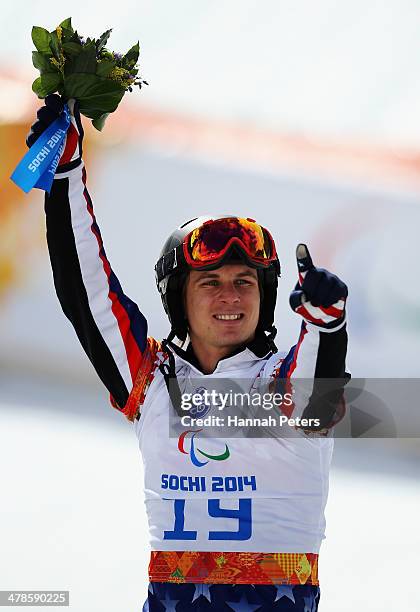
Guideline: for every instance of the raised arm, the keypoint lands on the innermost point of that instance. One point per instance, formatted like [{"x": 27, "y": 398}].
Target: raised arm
[
  {"x": 319, "y": 356},
  {"x": 109, "y": 325}
]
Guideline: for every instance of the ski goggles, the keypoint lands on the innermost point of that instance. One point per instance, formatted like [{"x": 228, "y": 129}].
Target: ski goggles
[{"x": 208, "y": 244}]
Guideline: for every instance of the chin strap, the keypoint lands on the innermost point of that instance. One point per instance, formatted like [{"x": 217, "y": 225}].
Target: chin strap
[
  {"x": 270, "y": 339},
  {"x": 169, "y": 375}
]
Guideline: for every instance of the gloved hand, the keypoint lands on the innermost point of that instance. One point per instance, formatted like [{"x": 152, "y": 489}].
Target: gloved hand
[
  {"x": 319, "y": 296},
  {"x": 46, "y": 115}
]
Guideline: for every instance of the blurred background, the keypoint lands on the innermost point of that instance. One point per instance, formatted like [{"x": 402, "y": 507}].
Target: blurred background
[{"x": 301, "y": 115}]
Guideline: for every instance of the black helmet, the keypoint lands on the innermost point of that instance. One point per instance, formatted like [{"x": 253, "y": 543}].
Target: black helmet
[{"x": 172, "y": 269}]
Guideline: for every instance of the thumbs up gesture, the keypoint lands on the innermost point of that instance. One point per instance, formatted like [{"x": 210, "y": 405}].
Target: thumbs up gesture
[{"x": 319, "y": 296}]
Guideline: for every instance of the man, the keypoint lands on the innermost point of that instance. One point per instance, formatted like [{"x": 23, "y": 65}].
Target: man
[{"x": 233, "y": 526}]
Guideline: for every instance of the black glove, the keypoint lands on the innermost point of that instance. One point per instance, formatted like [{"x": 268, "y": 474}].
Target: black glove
[{"x": 319, "y": 296}]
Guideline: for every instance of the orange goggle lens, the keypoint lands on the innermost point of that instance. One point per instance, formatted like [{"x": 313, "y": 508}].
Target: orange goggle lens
[{"x": 209, "y": 243}]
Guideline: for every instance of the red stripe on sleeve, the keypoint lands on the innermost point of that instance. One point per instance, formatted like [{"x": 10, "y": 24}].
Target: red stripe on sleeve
[
  {"x": 332, "y": 311},
  {"x": 304, "y": 313},
  {"x": 72, "y": 142},
  {"x": 134, "y": 355},
  {"x": 295, "y": 356}
]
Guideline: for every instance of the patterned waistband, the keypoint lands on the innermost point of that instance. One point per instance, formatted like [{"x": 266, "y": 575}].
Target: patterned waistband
[{"x": 233, "y": 567}]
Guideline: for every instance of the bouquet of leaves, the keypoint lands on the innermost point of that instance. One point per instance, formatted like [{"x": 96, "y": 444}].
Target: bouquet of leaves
[{"x": 83, "y": 69}]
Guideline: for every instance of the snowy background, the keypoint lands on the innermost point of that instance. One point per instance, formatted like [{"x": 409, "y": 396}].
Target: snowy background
[{"x": 321, "y": 101}]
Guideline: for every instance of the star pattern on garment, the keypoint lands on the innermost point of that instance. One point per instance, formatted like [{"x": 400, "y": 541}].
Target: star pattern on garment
[
  {"x": 310, "y": 605},
  {"x": 243, "y": 605},
  {"x": 285, "y": 590},
  {"x": 202, "y": 589},
  {"x": 170, "y": 604}
]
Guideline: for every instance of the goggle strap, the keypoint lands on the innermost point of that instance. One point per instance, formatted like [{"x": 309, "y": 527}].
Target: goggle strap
[
  {"x": 169, "y": 262},
  {"x": 175, "y": 259}
]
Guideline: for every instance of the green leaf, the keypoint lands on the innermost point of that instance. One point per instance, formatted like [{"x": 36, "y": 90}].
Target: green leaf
[
  {"x": 55, "y": 45},
  {"x": 46, "y": 84},
  {"x": 37, "y": 87},
  {"x": 95, "y": 94},
  {"x": 72, "y": 48},
  {"x": 50, "y": 81},
  {"x": 67, "y": 24},
  {"x": 41, "y": 39},
  {"x": 131, "y": 57},
  {"x": 104, "y": 67},
  {"x": 42, "y": 62},
  {"x": 67, "y": 35},
  {"x": 100, "y": 121},
  {"x": 75, "y": 38},
  {"x": 86, "y": 60},
  {"x": 105, "y": 54},
  {"x": 102, "y": 40}
]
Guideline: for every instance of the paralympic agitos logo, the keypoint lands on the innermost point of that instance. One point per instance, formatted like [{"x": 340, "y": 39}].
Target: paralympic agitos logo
[{"x": 193, "y": 450}]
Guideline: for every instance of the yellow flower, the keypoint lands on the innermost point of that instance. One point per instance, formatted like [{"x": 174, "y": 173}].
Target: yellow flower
[
  {"x": 121, "y": 76},
  {"x": 58, "y": 63}
]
